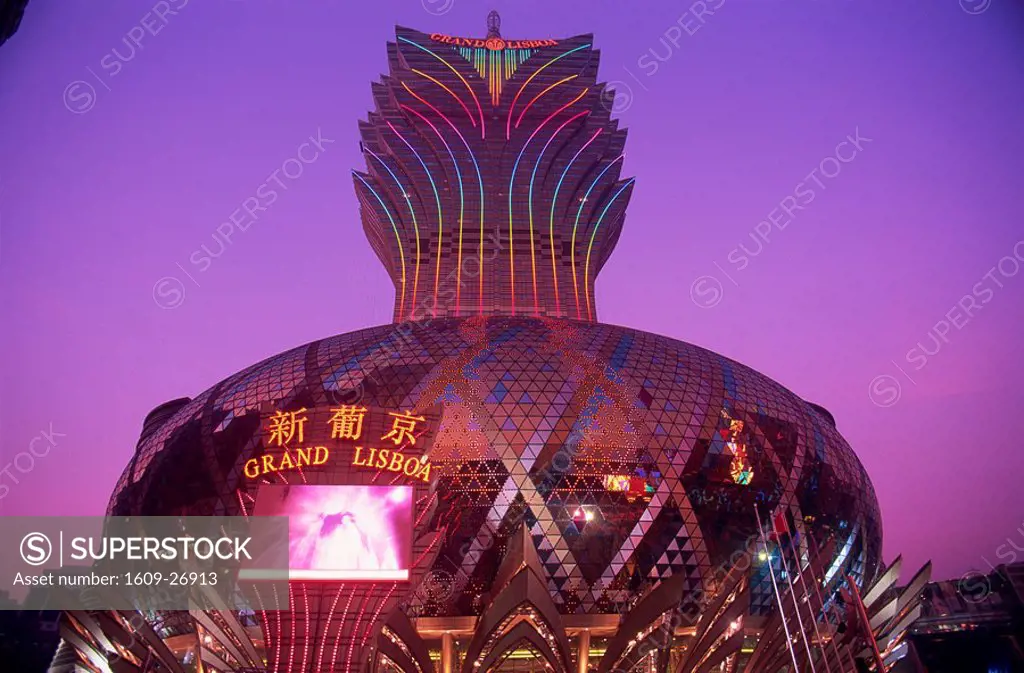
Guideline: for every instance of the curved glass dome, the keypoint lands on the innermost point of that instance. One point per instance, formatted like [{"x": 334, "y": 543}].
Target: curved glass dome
[
  {"x": 666, "y": 449},
  {"x": 576, "y": 468}
]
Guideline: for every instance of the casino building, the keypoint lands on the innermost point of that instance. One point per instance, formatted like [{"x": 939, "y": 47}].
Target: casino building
[{"x": 581, "y": 496}]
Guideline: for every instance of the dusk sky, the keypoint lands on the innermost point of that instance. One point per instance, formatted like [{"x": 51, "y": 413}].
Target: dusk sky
[{"x": 116, "y": 167}]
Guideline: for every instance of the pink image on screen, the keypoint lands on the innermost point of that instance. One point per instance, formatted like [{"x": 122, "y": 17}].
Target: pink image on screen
[{"x": 343, "y": 532}]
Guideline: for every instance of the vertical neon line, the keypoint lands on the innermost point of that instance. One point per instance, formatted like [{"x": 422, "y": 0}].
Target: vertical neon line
[
  {"x": 462, "y": 210},
  {"x": 305, "y": 609},
  {"x": 479, "y": 180},
  {"x": 341, "y": 627},
  {"x": 415, "y": 225},
  {"x": 554, "y": 200},
  {"x": 291, "y": 647},
  {"x": 440, "y": 222},
  {"x": 533, "y": 175},
  {"x": 327, "y": 629},
  {"x": 511, "y": 182},
  {"x": 593, "y": 235},
  {"x": 280, "y": 632},
  {"x": 355, "y": 628},
  {"x": 401, "y": 253},
  {"x": 575, "y": 283},
  {"x": 380, "y": 606},
  {"x": 508, "y": 125},
  {"x": 483, "y": 125}
]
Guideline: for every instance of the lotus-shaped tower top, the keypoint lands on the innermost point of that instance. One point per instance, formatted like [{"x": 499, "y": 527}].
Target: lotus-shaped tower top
[{"x": 492, "y": 182}]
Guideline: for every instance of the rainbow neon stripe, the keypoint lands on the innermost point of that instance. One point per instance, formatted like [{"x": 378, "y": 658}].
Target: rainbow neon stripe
[
  {"x": 551, "y": 230},
  {"x": 511, "y": 183},
  {"x": 575, "y": 283},
  {"x": 535, "y": 98},
  {"x": 593, "y": 235},
  {"x": 437, "y": 198},
  {"x": 512, "y": 107},
  {"x": 444, "y": 86},
  {"x": 496, "y": 67},
  {"x": 401, "y": 253},
  {"x": 480, "y": 181},
  {"x": 533, "y": 175},
  {"x": 483, "y": 124},
  {"x": 415, "y": 225},
  {"x": 462, "y": 209}
]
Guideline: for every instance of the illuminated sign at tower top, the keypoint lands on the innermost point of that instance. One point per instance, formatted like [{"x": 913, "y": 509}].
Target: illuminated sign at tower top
[{"x": 493, "y": 43}]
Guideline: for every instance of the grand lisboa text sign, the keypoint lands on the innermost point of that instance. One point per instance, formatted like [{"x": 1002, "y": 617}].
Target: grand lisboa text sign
[
  {"x": 301, "y": 438},
  {"x": 493, "y": 43}
]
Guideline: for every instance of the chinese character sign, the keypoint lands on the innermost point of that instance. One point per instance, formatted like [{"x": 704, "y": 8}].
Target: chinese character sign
[
  {"x": 382, "y": 440},
  {"x": 347, "y": 422},
  {"x": 285, "y": 425}
]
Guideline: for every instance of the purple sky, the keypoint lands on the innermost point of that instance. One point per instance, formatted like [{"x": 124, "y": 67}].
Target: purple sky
[{"x": 97, "y": 207}]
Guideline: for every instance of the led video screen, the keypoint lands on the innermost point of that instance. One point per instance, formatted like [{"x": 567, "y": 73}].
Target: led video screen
[{"x": 343, "y": 532}]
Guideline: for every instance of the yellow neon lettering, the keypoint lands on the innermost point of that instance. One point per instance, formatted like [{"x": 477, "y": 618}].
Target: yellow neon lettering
[{"x": 396, "y": 462}]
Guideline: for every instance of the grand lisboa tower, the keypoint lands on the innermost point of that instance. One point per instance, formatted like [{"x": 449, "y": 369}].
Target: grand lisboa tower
[{"x": 584, "y": 497}]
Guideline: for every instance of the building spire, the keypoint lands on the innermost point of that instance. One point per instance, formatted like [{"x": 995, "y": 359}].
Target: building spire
[{"x": 494, "y": 24}]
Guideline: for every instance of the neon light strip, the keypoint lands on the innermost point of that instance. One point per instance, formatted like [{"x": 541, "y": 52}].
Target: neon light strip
[
  {"x": 586, "y": 273},
  {"x": 483, "y": 125},
  {"x": 575, "y": 284},
  {"x": 440, "y": 221},
  {"x": 241, "y": 503},
  {"x": 376, "y": 614},
  {"x": 341, "y": 627},
  {"x": 305, "y": 647},
  {"x": 554, "y": 200},
  {"x": 536, "y": 303},
  {"x": 280, "y": 636},
  {"x": 479, "y": 180},
  {"x": 415, "y": 225},
  {"x": 291, "y": 645},
  {"x": 508, "y": 126},
  {"x": 495, "y": 67},
  {"x": 264, "y": 623},
  {"x": 515, "y": 168},
  {"x": 462, "y": 210},
  {"x": 492, "y": 80},
  {"x": 430, "y": 547},
  {"x": 401, "y": 252},
  {"x": 355, "y": 627},
  {"x": 444, "y": 86},
  {"x": 528, "y": 105}
]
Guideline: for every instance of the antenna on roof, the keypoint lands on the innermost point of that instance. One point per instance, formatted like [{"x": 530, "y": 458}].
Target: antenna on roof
[{"x": 493, "y": 24}]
